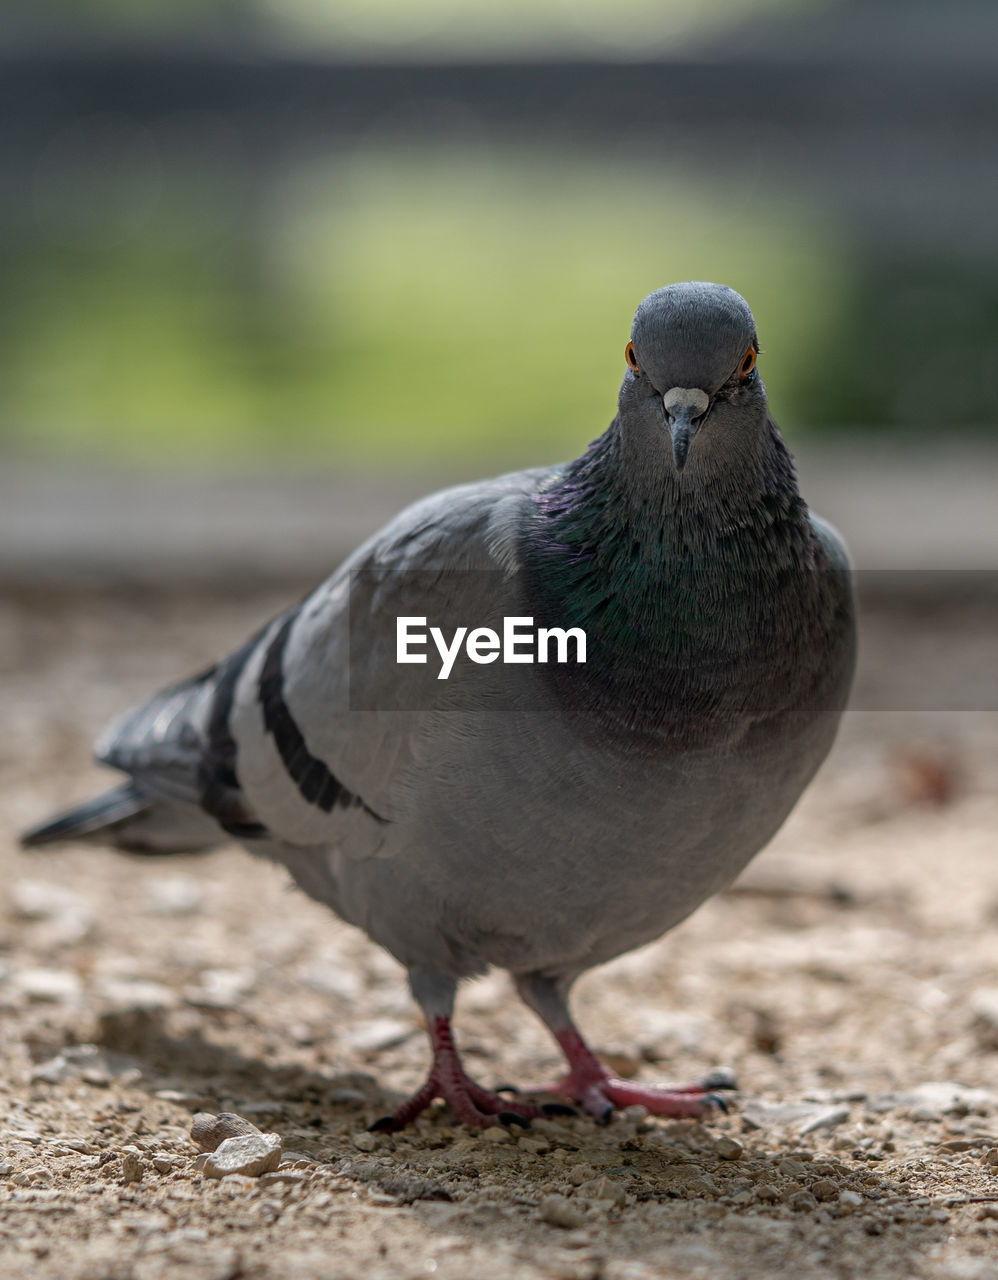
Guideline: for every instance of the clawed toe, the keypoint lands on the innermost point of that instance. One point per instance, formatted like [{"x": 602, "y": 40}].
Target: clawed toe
[
  {"x": 511, "y": 1117},
  {"x": 558, "y": 1109},
  {"x": 479, "y": 1108},
  {"x": 589, "y": 1085},
  {"x": 599, "y": 1097},
  {"x": 719, "y": 1079},
  {"x": 691, "y": 1103},
  {"x": 472, "y": 1105},
  {"x": 384, "y": 1124}
]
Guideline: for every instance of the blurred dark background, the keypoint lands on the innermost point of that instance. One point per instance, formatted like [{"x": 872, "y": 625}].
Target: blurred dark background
[
  {"x": 375, "y": 244},
  {"x": 413, "y": 231}
]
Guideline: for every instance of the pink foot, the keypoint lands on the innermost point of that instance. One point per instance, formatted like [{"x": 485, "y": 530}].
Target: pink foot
[
  {"x": 592, "y": 1086},
  {"x": 471, "y": 1104}
]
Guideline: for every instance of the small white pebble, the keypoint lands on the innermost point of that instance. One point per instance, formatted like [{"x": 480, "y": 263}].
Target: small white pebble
[
  {"x": 38, "y": 900},
  {"x": 125, "y": 994},
  {"x": 54, "y": 985},
  {"x": 365, "y": 1141},
  {"x": 173, "y": 896},
  {"x": 209, "y": 1131},
  {"x": 248, "y": 1156},
  {"x": 826, "y": 1120},
  {"x": 131, "y": 1165},
  {"x": 558, "y": 1211},
  {"x": 604, "y": 1188},
  {"x": 495, "y": 1133},
  {"x": 290, "y": 1177},
  {"x": 79, "y": 1145}
]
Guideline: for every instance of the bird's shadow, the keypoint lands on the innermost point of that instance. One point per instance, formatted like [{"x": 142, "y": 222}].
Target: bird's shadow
[
  {"x": 191, "y": 1069},
  {"x": 312, "y": 1107}
]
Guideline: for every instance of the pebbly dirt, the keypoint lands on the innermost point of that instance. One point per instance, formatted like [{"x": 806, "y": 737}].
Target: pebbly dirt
[{"x": 850, "y": 979}]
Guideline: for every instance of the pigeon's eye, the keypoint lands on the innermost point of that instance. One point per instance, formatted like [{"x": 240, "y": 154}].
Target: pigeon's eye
[
  {"x": 747, "y": 364},
  {"x": 631, "y": 358}
]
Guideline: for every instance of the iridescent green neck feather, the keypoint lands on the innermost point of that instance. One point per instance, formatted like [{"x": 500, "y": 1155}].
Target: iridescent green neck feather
[{"x": 693, "y": 588}]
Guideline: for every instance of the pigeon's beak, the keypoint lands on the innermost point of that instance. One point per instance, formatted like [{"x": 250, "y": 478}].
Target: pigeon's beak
[
  {"x": 681, "y": 429},
  {"x": 684, "y": 410}
]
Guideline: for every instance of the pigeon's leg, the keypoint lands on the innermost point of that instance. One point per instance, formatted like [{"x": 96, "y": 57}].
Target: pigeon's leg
[
  {"x": 589, "y": 1083},
  {"x": 471, "y": 1104}
]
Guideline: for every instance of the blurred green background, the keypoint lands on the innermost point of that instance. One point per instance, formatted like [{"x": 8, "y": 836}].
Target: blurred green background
[{"x": 412, "y": 234}]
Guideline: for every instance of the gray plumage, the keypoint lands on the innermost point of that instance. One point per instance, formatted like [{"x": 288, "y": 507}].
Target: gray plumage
[{"x": 543, "y": 819}]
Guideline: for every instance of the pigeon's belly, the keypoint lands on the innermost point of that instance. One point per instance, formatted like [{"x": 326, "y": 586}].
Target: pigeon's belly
[{"x": 529, "y": 852}]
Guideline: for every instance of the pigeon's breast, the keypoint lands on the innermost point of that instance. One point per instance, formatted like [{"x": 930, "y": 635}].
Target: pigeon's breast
[
  {"x": 529, "y": 846},
  {"x": 553, "y": 816},
  {"x": 679, "y": 686}
]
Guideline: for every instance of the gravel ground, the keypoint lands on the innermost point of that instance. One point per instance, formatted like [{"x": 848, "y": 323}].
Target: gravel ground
[{"x": 850, "y": 978}]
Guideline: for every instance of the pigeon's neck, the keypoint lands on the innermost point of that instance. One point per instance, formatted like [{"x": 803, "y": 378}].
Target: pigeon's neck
[
  {"x": 680, "y": 582},
  {"x": 621, "y": 520}
]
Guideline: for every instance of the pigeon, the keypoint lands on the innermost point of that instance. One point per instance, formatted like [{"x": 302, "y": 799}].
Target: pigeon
[{"x": 538, "y": 812}]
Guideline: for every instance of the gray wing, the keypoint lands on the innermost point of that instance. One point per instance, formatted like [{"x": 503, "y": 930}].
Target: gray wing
[
  {"x": 272, "y": 742},
  {"x": 178, "y": 750}
]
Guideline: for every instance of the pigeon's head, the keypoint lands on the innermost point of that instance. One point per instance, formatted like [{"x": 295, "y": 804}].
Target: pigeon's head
[{"x": 692, "y": 366}]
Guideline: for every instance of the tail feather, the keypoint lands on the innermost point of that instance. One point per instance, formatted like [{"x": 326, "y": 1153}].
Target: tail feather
[
  {"x": 97, "y": 816},
  {"x": 126, "y": 818}
]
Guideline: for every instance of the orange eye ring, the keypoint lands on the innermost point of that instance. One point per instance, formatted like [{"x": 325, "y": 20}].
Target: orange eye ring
[
  {"x": 631, "y": 358},
  {"x": 748, "y": 363}
]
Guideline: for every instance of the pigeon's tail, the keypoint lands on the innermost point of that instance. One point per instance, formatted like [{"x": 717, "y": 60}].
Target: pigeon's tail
[
  {"x": 98, "y": 818},
  {"x": 127, "y": 819}
]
